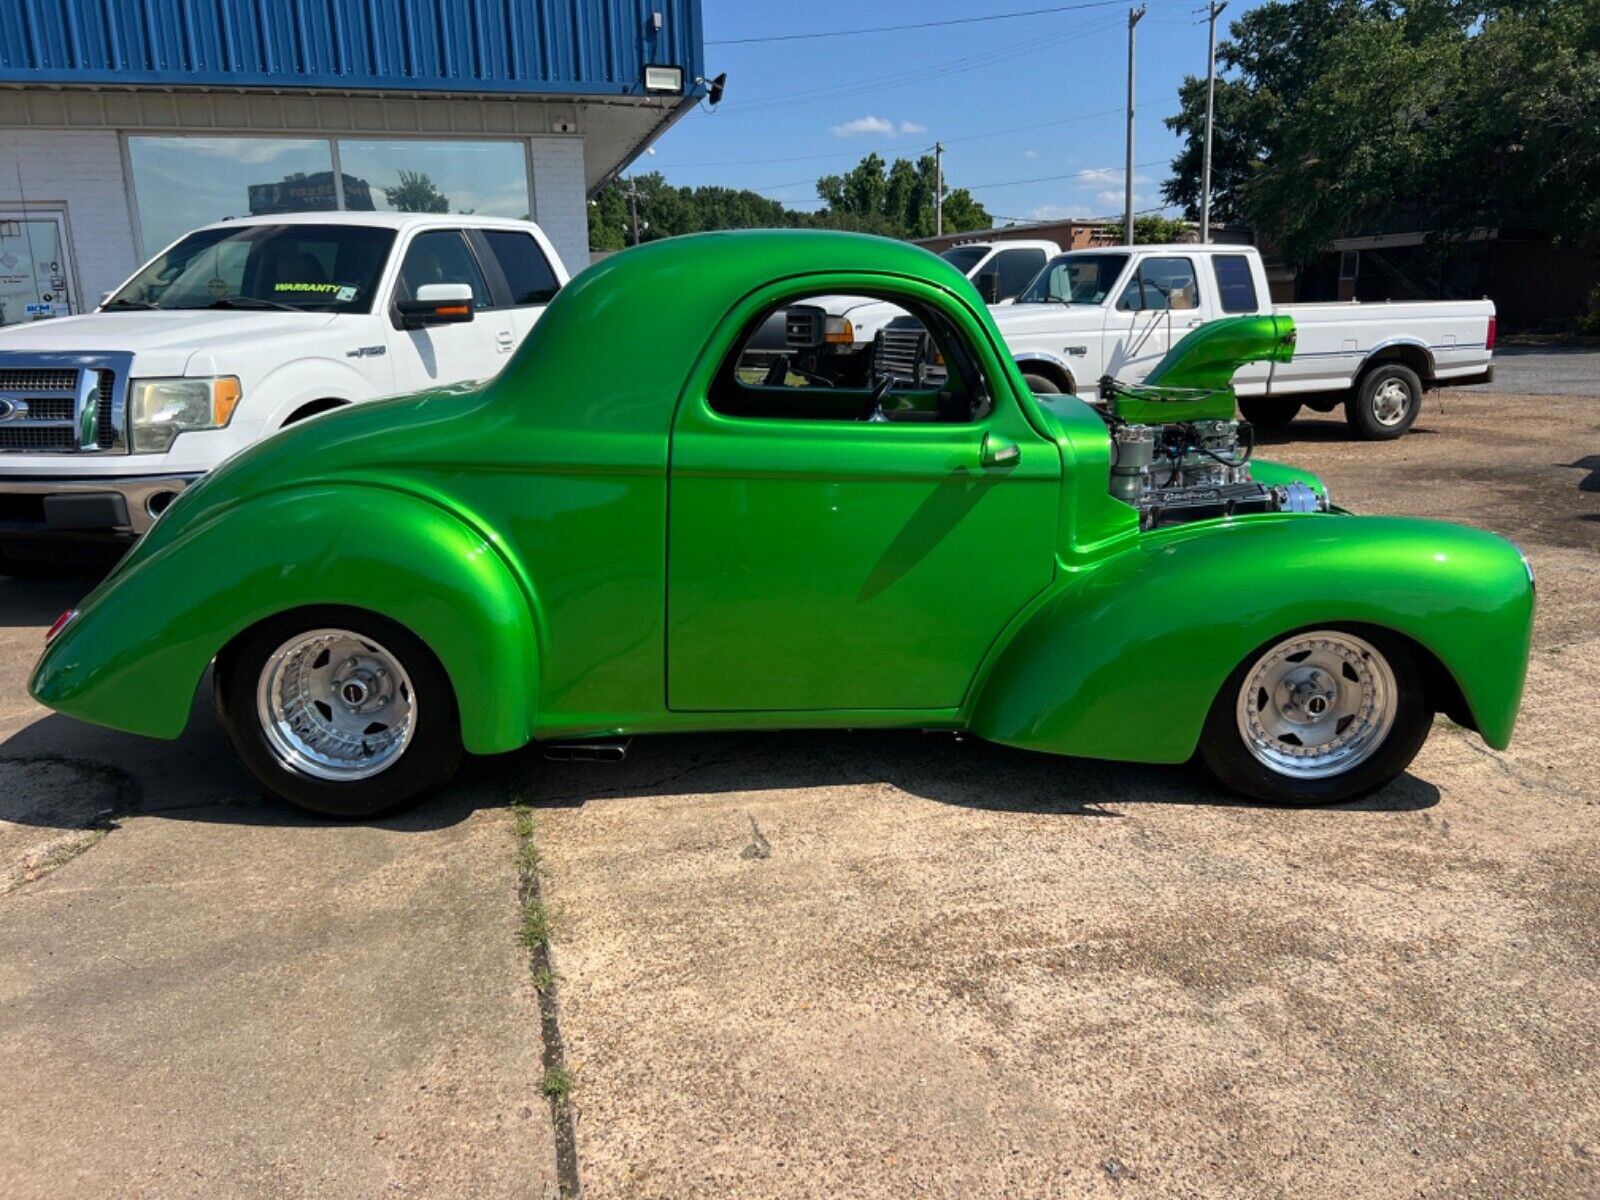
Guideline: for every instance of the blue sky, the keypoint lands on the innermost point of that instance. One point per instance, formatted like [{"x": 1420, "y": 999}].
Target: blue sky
[{"x": 1021, "y": 99}]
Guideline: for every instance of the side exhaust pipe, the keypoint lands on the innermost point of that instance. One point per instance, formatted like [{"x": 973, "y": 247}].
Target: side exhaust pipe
[{"x": 601, "y": 750}]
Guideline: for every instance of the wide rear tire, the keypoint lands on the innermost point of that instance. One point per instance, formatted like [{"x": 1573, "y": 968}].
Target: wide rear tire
[
  {"x": 339, "y": 711},
  {"x": 1385, "y": 402},
  {"x": 1317, "y": 717}
]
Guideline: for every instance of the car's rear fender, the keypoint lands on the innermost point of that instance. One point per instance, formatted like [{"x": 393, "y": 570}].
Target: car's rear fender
[
  {"x": 135, "y": 655},
  {"x": 1123, "y": 660}
]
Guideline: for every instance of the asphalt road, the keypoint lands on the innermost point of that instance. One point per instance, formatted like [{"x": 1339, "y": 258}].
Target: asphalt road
[
  {"x": 1547, "y": 370},
  {"x": 839, "y": 964}
]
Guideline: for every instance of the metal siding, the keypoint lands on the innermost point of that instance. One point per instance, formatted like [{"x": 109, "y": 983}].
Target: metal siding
[{"x": 582, "y": 47}]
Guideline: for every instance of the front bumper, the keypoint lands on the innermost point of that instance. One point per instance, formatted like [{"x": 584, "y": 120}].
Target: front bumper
[{"x": 115, "y": 508}]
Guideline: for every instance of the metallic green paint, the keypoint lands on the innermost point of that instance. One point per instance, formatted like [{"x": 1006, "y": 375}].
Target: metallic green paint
[
  {"x": 589, "y": 548},
  {"x": 1194, "y": 380}
]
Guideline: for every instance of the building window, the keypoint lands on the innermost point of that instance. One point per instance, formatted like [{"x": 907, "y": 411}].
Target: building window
[
  {"x": 487, "y": 178},
  {"x": 180, "y": 183}
]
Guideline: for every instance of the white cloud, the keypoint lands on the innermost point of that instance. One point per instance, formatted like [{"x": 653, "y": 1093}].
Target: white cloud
[
  {"x": 1049, "y": 212},
  {"x": 1105, "y": 177},
  {"x": 912, "y": 127},
  {"x": 1108, "y": 199},
  {"x": 1030, "y": 154},
  {"x": 861, "y": 125}
]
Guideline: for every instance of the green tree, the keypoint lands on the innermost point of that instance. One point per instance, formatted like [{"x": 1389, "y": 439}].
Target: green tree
[
  {"x": 1341, "y": 117},
  {"x": 896, "y": 199},
  {"x": 416, "y": 193}
]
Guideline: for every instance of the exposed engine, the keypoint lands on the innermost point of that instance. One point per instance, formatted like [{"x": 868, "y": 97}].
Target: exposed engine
[
  {"x": 1190, "y": 470},
  {"x": 1177, "y": 453}
]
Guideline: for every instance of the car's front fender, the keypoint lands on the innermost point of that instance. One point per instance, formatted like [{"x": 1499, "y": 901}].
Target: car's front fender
[
  {"x": 1123, "y": 660},
  {"x": 133, "y": 657}
]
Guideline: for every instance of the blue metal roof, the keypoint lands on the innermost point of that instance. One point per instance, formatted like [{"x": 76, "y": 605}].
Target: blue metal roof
[{"x": 565, "y": 47}]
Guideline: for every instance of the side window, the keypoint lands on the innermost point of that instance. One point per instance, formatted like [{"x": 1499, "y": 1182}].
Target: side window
[
  {"x": 441, "y": 256},
  {"x": 1017, "y": 269},
  {"x": 1236, "y": 287},
  {"x": 801, "y": 361},
  {"x": 524, "y": 265},
  {"x": 1161, "y": 284}
]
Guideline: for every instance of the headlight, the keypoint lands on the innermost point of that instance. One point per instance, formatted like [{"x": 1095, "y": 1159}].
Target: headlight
[
  {"x": 161, "y": 409},
  {"x": 837, "y": 331}
]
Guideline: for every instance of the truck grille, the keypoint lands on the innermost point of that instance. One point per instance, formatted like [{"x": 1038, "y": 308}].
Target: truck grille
[
  {"x": 62, "y": 403},
  {"x": 902, "y": 354}
]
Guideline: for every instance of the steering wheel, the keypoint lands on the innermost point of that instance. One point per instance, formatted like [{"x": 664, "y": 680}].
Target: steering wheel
[{"x": 873, "y": 409}]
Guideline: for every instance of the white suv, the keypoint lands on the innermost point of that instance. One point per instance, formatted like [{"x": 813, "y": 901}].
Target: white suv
[{"x": 234, "y": 331}]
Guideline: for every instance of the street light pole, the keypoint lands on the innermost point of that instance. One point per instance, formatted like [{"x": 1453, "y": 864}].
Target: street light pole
[
  {"x": 1127, "y": 180},
  {"x": 938, "y": 189},
  {"x": 1216, "y": 8}
]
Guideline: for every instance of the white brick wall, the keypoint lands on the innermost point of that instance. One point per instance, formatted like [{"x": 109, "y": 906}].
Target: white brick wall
[
  {"x": 83, "y": 171},
  {"x": 559, "y": 203}
]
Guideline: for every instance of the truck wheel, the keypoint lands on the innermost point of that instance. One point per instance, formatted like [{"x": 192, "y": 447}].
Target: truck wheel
[
  {"x": 1266, "y": 412},
  {"x": 1040, "y": 386},
  {"x": 339, "y": 711},
  {"x": 1385, "y": 402},
  {"x": 1317, "y": 717}
]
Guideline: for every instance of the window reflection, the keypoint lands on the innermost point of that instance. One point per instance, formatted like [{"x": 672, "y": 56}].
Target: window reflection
[
  {"x": 487, "y": 178},
  {"x": 184, "y": 182}
]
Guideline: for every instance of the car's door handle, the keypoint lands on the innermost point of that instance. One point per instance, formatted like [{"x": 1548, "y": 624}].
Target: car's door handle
[
  {"x": 998, "y": 451},
  {"x": 1196, "y": 321}
]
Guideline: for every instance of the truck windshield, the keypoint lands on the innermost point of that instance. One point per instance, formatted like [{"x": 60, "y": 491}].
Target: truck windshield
[
  {"x": 1075, "y": 279},
  {"x": 964, "y": 258},
  {"x": 307, "y": 268}
]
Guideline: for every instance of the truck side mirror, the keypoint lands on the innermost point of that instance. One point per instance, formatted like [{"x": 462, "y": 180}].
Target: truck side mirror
[
  {"x": 437, "y": 304},
  {"x": 988, "y": 285}
]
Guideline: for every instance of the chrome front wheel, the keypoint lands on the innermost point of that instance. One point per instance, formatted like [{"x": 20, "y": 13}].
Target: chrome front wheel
[{"x": 1318, "y": 716}]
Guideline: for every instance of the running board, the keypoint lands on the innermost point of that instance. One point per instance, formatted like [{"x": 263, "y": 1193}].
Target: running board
[{"x": 603, "y": 750}]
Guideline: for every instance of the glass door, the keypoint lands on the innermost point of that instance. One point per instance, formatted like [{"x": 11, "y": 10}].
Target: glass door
[{"x": 35, "y": 275}]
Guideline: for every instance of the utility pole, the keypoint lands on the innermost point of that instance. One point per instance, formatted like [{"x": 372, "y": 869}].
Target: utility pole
[
  {"x": 633, "y": 207},
  {"x": 1216, "y": 8},
  {"x": 938, "y": 189},
  {"x": 1134, "y": 15}
]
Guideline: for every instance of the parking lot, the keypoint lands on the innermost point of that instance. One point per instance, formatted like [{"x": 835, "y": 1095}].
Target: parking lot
[{"x": 838, "y": 964}]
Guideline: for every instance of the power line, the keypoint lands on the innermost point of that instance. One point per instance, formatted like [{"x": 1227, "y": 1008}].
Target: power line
[
  {"x": 1116, "y": 172},
  {"x": 832, "y": 33}
]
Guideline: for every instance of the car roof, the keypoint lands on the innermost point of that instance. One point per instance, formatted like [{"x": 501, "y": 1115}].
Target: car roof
[{"x": 385, "y": 220}]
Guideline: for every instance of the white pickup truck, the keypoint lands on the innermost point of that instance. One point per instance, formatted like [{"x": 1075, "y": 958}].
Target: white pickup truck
[
  {"x": 1115, "y": 311},
  {"x": 234, "y": 331}
]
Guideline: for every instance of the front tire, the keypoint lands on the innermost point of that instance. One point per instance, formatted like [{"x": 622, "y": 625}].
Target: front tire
[
  {"x": 1385, "y": 403},
  {"x": 1041, "y": 386},
  {"x": 1317, "y": 717},
  {"x": 339, "y": 711}
]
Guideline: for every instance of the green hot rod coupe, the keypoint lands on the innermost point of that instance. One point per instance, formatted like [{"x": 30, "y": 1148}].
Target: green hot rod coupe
[{"x": 638, "y": 527}]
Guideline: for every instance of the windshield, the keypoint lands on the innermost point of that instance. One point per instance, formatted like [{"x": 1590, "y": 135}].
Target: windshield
[
  {"x": 1075, "y": 279},
  {"x": 964, "y": 258},
  {"x": 307, "y": 268}
]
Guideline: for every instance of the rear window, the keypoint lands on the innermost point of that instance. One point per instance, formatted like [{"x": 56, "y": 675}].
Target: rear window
[
  {"x": 1235, "y": 285},
  {"x": 524, "y": 265}
]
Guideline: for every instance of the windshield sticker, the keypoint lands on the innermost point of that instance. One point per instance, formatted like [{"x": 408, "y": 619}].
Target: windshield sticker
[
  {"x": 346, "y": 293},
  {"x": 321, "y": 289},
  {"x": 217, "y": 289}
]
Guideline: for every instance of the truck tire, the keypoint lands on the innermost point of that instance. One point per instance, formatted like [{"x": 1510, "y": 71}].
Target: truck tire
[
  {"x": 339, "y": 711},
  {"x": 1317, "y": 717},
  {"x": 1040, "y": 386},
  {"x": 1384, "y": 403},
  {"x": 1268, "y": 412}
]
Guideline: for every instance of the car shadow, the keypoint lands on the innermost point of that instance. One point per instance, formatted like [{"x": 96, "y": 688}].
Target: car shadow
[
  {"x": 25, "y": 602},
  {"x": 197, "y": 777},
  {"x": 1309, "y": 429}
]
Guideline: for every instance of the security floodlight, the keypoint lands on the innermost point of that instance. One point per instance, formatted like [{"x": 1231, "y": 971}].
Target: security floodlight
[{"x": 663, "y": 79}]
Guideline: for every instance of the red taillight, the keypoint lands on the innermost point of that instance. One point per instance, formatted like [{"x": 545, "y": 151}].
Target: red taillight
[
  {"x": 62, "y": 622},
  {"x": 1488, "y": 341}
]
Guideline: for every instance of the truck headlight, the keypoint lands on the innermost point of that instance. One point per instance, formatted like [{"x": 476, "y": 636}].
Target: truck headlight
[
  {"x": 837, "y": 331},
  {"x": 160, "y": 409}
]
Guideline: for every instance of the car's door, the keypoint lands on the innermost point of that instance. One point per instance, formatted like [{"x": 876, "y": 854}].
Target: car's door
[
  {"x": 444, "y": 354},
  {"x": 821, "y": 561},
  {"x": 526, "y": 284},
  {"x": 1159, "y": 301}
]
